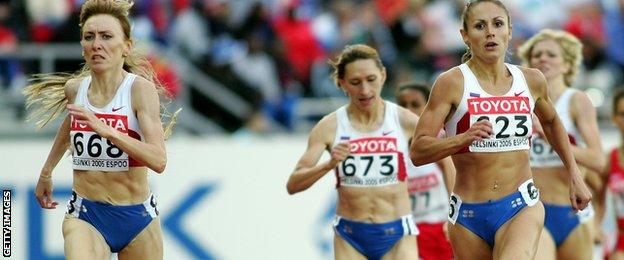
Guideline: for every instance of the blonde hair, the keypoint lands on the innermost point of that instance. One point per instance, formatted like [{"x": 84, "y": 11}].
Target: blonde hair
[
  {"x": 47, "y": 95},
  {"x": 571, "y": 50}
]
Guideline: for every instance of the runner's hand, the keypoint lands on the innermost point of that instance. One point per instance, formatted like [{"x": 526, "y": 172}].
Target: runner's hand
[
  {"x": 479, "y": 131},
  {"x": 339, "y": 153},
  {"x": 85, "y": 117},
  {"x": 580, "y": 196},
  {"x": 43, "y": 193}
]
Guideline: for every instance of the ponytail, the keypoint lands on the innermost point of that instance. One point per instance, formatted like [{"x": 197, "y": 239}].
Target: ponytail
[
  {"x": 467, "y": 55},
  {"x": 47, "y": 96}
]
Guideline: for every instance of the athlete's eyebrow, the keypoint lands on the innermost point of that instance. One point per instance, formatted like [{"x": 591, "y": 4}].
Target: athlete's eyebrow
[
  {"x": 99, "y": 31},
  {"x": 483, "y": 20}
]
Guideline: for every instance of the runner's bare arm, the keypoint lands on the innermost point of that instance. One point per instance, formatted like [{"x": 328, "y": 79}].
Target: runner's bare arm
[
  {"x": 601, "y": 193},
  {"x": 44, "y": 191},
  {"x": 557, "y": 136},
  {"x": 584, "y": 114},
  {"x": 408, "y": 121},
  {"x": 61, "y": 141},
  {"x": 446, "y": 93},
  {"x": 146, "y": 105},
  {"x": 552, "y": 126},
  {"x": 307, "y": 171}
]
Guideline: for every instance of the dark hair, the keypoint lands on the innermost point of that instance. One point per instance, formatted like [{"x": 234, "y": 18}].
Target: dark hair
[
  {"x": 420, "y": 87},
  {"x": 464, "y": 18},
  {"x": 350, "y": 54},
  {"x": 619, "y": 95}
]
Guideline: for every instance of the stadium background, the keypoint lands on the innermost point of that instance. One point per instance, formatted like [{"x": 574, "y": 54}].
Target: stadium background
[{"x": 252, "y": 78}]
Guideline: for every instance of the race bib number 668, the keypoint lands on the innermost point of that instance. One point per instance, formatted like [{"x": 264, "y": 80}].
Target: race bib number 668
[{"x": 93, "y": 152}]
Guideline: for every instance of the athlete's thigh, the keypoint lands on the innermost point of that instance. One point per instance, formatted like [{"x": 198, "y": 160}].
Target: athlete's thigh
[
  {"x": 83, "y": 241},
  {"x": 344, "y": 251},
  {"x": 579, "y": 244},
  {"x": 148, "y": 244},
  {"x": 467, "y": 245},
  {"x": 546, "y": 249},
  {"x": 519, "y": 237},
  {"x": 405, "y": 248}
]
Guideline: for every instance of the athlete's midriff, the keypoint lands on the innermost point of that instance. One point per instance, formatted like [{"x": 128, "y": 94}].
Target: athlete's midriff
[
  {"x": 554, "y": 183},
  {"x": 489, "y": 176},
  {"x": 373, "y": 204},
  {"x": 118, "y": 188}
]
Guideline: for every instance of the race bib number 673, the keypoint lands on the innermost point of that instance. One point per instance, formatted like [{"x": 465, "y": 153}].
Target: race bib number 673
[
  {"x": 511, "y": 122},
  {"x": 372, "y": 162}
]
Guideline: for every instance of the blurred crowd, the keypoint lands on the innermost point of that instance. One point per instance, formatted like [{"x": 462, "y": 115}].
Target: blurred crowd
[{"x": 274, "y": 52}]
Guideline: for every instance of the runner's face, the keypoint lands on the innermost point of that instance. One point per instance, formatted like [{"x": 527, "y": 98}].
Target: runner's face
[
  {"x": 362, "y": 82},
  {"x": 103, "y": 42},
  {"x": 413, "y": 100},
  {"x": 547, "y": 57},
  {"x": 488, "y": 33}
]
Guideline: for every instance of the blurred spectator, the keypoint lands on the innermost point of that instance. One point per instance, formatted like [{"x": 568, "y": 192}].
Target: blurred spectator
[
  {"x": 258, "y": 26},
  {"x": 538, "y": 14},
  {"x": 257, "y": 69},
  {"x": 11, "y": 74},
  {"x": 257, "y": 22},
  {"x": 224, "y": 47},
  {"x": 45, "y": 16},
  {"x": 178, "y": 6},
  {"x": 439, "y": 36},
  {"x": 391, "y": 10},
  {"x": 146, "y": 37},
  {"x": 68, "y": 31},
  {"x": 322, "y": 83},
  {"x": 155, "y": 11},
  {"x": 271, "y": 52},
  {"x": 190, "y": 32},
  {"x": 585, "y": 21},
  {"x": 613, "y": 21},
  {"x": 143, "y": 27},
  {"x": 380, "y": 37},
  {"x": 301, "y": 47},
  {"x": 338, "y": 26},
  {"x": 9, "y": 67}
]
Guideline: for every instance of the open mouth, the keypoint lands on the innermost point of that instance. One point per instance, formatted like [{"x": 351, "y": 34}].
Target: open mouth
[
  {"x": 491, "y": 45},
  {"x": 366, "y": 101}
]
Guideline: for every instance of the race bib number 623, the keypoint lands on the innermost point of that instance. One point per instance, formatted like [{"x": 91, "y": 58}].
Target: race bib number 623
[{"x": 511, "y": 122}]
